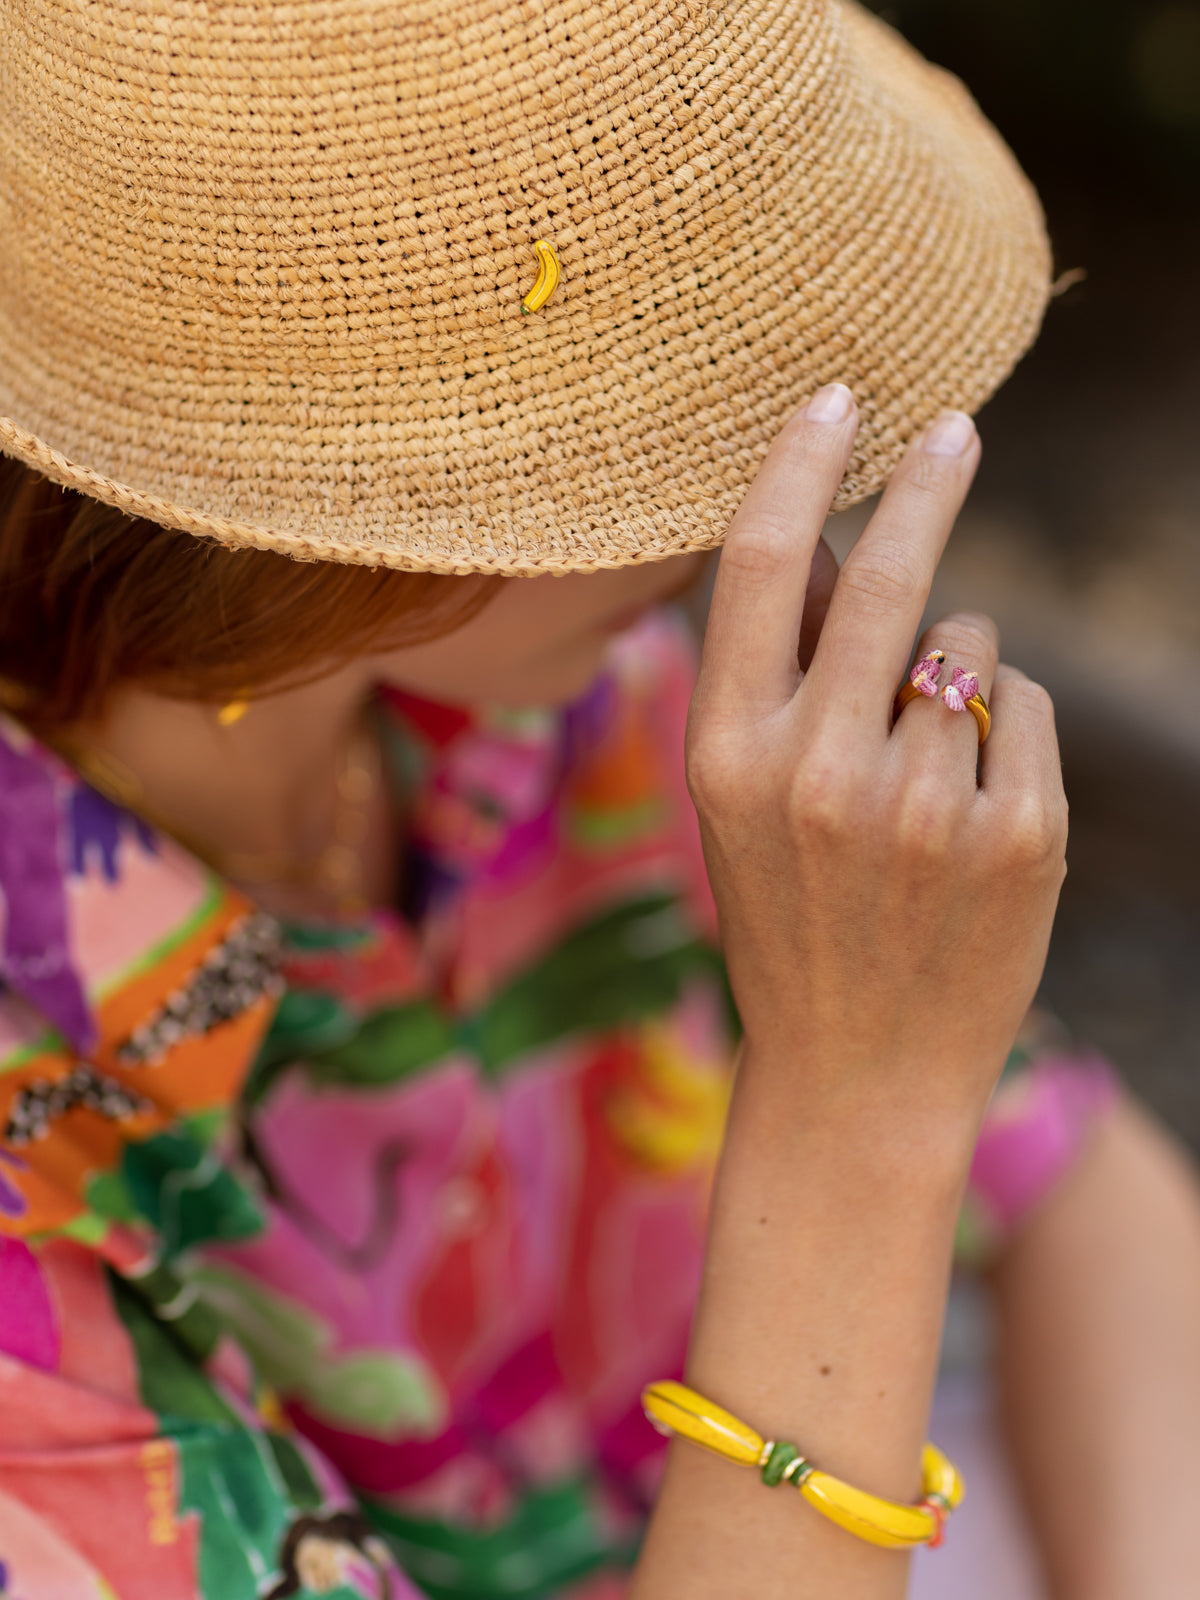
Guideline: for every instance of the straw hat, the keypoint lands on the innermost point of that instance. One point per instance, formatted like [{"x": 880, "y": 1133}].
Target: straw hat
[{"x": 262, "y": 263}]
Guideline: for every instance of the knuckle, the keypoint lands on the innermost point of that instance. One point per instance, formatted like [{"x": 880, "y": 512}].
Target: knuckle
[
  {"x": 823, "y": 799},
  {"x": 758, "y": 550},
  {"x": 1035, "y": 832},
  {"x": 925, "y": 826},
  {"x": 711, "y": 767},
  {"x": 1023, "y": 697},
  {"x": 882, "y": 579},
  {"x": 1033, "y": 700},
  {"x": 967, "y": 635}
]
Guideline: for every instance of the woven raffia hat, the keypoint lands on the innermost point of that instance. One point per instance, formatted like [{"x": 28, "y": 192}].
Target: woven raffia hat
[{"x": 262, "y": 263}]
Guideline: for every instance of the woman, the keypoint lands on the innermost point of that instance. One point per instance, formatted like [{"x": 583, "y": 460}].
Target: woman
[{"x": 366, "y": 1048}]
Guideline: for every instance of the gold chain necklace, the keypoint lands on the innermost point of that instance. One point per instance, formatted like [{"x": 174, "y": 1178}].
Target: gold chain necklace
[{"x": 336, "y": 870}]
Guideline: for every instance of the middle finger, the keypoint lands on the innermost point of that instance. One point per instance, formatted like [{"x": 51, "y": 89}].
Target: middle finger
[{"x": 884, "y": 583}]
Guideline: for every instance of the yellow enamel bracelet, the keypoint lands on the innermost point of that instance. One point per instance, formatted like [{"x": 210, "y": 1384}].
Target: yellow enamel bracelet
[{"x": 675, "y": 1409}]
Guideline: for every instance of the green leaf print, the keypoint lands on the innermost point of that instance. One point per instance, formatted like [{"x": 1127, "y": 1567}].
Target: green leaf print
[
  {"x": 390, "y": 1044},
  {"x": 629, "y": 964},
  {"x": 230, "y": 1480},
  {"x": 293, "y": 1469},
  {"x": 245, "y": 1487},
  {"x": 181, "y": 1188},
  {"x": 626, "y": 965},
  {"x": 306, "y": 1023},
  {"x": 172, "y": 1385},
  {"x": 379, "y": 1393},
  {"x": 553, "y": 1538}
]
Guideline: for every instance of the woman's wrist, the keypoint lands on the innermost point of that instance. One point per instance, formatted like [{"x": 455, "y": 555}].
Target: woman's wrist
[
  {"x": 822, "y": 1234},
  {"x": 819, "y": 1323},
  {"x": 803, "y": 1110}
]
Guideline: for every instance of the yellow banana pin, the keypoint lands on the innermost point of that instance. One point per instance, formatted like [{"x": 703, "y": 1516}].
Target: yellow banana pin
[{"x": 549, "y": 273}]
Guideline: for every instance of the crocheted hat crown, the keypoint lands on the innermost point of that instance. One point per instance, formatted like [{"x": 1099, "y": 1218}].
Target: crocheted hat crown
[{"x": 262, "y": 264}]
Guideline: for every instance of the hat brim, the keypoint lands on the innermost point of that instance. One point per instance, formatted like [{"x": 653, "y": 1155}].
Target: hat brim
[{"x": 911, "y": 265}]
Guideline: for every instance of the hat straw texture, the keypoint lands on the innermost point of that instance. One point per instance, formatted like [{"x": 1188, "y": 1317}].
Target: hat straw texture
[{"x": 262, "y": 264}]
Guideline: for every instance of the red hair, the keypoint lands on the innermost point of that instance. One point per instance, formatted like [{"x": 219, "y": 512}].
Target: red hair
[{"x": 91, "y": 598}]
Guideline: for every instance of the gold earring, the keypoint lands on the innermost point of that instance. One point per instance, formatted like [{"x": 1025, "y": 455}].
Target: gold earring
[{"x": 232, "y": 712}]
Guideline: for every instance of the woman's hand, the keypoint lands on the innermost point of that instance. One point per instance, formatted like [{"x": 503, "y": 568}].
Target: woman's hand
[{"x": 885, "y": 913}]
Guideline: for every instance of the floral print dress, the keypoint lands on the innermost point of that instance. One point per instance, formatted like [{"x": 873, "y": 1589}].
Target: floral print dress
[{"x": 334, "y": 1257}]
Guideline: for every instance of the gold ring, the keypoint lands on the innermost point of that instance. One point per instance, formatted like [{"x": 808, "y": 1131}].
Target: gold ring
[{"x": 976, "y": 705}]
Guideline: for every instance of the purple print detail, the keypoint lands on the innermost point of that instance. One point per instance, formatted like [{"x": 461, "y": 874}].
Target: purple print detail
[
  {"x": 963, "y": 686},
  {"x": 12, "y": 1201},
  {"x": 96, "y": 825},
  {"x": 34, "y": 951},
  {"x": 924, "y": 676},
  {"x": 588, "y": 719}
]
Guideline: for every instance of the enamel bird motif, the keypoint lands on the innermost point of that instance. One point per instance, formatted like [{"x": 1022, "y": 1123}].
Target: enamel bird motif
[
  {"x": 924, "y": 676},
  {"x": 963, "y": 686}
]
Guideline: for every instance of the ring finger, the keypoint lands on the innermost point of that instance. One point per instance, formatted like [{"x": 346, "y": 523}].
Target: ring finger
[{"x": 936, "y": 726}]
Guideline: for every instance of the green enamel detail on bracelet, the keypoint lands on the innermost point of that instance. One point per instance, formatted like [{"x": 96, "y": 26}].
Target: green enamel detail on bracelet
[{"x": 777, "y": 1463}]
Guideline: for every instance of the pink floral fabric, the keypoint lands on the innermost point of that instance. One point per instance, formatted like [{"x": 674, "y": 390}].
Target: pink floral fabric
[{"x": 335, "y": 1256}]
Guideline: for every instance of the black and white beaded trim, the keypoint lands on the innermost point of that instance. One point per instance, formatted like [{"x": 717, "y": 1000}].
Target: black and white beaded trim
[
  {"x": 231, "y": 978},
  {"x": 39, "y": 1103}
]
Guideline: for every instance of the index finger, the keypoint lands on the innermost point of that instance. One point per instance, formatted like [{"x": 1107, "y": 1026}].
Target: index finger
[
  {"x": 750, "y": 644},
  {"x": 884, "y": 584}
]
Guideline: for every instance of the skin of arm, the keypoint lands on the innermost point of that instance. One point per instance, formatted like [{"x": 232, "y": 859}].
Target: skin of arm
[
  {"x": 819, "y": 1320},
  {"x": 1098, "y": 1303},
  {"x": 858, "y": 868}
]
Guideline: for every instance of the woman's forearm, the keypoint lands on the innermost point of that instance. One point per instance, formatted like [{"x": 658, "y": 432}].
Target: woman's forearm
[
  {"x": 885, "y": 894},
  {"x": 1099, "y": 1310},
  {"x": 819, "y": 1323}
]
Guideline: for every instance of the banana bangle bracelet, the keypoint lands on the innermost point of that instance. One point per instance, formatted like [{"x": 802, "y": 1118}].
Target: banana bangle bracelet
[{"x": 674, "y": 1409}]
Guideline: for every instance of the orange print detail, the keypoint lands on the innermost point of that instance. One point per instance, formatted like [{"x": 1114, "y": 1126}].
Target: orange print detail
[{"x": 158, "y": 1465}]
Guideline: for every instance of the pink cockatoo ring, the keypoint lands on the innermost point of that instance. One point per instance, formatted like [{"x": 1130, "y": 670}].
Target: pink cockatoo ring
[{"x": 960, "y": 694}]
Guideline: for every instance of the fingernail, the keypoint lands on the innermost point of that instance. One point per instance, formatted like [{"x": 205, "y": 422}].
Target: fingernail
[
  {"x": 833, "y": 403},
  {"x": 950, "y": 435}
]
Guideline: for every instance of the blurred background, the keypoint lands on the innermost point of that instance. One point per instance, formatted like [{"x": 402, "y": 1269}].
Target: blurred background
[{"x": 1082, "y": 536}]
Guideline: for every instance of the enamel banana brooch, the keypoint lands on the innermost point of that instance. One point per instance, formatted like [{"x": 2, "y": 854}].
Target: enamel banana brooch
[{"x": 549, "y": 273}]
